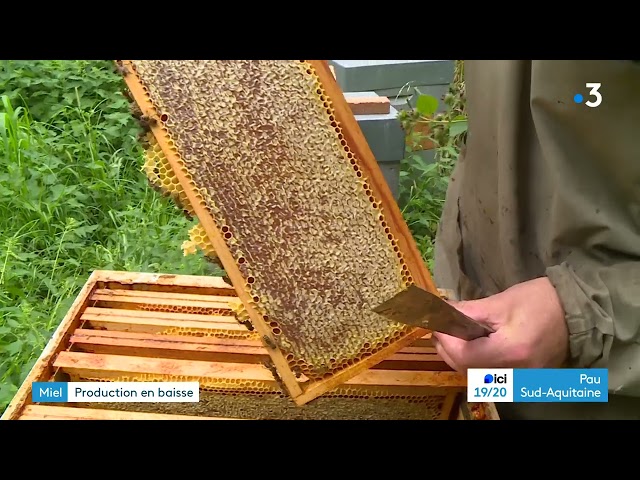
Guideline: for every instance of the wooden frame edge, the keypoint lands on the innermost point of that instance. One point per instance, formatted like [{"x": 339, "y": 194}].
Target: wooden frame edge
[
  {"x": 357, "y": 142},
  {"x": 450, "y": 406},
  {"x": 22, "y": 398},
  {"x": 51, "y": 412},
  {"x": 164, "y": 279}
]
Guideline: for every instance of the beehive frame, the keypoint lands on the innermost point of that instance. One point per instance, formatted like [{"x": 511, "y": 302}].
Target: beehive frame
[
  {"x": 122, "y": 327},
  {"x": 302, "y": 390}
]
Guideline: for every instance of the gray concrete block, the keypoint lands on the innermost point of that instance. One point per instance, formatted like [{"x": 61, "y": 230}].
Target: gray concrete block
[
  {"x": 391, "y": 173},
  {"x": 384, "y": 134},
  {"x": 362, "y": 75}
]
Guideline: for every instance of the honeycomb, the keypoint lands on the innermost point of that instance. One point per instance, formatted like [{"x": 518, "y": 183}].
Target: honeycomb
[
  {"x": 215, "y": 333},
  {"x": 237, "y": 311},
  {"x": 261, "y": 146},
  {"x": 261, "y": 401},
  {"x": 183, "y": 309},
  {"x": 198, "y": 240},
  {"x": 242, "y": 315},
  {"x": 161, "y": 176}
]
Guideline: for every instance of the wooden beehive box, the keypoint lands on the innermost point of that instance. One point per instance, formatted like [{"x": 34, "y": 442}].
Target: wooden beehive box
[{"x": 146, "y": 327}]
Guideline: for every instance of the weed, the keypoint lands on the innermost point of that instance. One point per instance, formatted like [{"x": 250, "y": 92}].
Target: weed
[
  {"x": 423, "y": 184},
  {"x": 73, "y": 199}
]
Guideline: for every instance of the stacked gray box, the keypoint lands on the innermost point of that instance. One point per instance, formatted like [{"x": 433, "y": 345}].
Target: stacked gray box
[
  {"x": 395, "y": 78},
  {"x": 386, "y": 139}
]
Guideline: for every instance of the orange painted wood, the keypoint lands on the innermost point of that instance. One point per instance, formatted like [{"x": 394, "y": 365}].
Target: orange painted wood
[
  {"x": 221, "y": 350},
  {"x": 45, "y": 412},
  {"x": 42, "y": 370}
]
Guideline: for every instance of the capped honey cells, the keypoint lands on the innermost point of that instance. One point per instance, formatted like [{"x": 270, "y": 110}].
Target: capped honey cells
[{"x": 263, "y": 149}]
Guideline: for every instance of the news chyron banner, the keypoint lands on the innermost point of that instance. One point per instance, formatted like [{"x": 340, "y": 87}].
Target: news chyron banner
[
  {"x": 183, "y": 392},
  {"x": 537, "y": 385}
]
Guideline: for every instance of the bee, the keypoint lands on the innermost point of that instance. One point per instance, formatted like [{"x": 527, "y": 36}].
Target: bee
[
  {"x": 181, "y": 206},
  {"x": 144, "y": 140},
  {"x": 135, "y": 110},
  {"x": 248, "y": 325},
  {"x": 321, "y": 371},
  {"x": 157, "y": 188},
  {"x": 268, "y": 364},
  {"x": 215, "y": 260},
  {"x": 186, "y": 214},
  {"x": 269, "y": 342},
  {"x": 122, "y": 70},
  {"x": 146, "y": 122}
]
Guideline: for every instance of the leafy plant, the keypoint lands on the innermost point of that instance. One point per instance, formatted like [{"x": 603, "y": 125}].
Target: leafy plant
[
  {"x": 424, "y": 185},
  {"x": 73, "y": 199}
]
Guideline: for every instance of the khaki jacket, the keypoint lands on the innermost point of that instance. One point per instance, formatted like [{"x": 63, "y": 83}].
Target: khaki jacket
[{"x": 548, "y": 186}]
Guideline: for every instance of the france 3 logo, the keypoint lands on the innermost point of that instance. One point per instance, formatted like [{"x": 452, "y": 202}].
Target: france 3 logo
[
  {"x": 593, "y": 91},
  {"x": 489, "y": 385}
]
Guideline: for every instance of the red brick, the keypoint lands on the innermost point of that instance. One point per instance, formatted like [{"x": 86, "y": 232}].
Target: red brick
[{"x": 369, "y": 105}]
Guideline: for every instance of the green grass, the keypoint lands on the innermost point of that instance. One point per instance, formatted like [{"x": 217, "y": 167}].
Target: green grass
[
  {"x": 422, "y": 193},
  {"x": 73, "y": 199}
]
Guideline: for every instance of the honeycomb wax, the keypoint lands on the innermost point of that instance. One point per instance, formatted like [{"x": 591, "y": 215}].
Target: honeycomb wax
[{"x": 261, "y": 146}]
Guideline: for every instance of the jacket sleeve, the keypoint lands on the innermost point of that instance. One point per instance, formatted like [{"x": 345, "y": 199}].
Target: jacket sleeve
[
  {"x": 602, "y": 310},
  {"x": 595, "y": 152}
]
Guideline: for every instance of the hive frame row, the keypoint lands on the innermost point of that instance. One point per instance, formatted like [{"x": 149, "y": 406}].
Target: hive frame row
[{"x": 162, "y": 286}]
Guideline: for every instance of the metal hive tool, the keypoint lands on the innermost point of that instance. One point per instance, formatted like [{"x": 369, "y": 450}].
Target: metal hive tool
[{"x": 269, "y": 157}]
